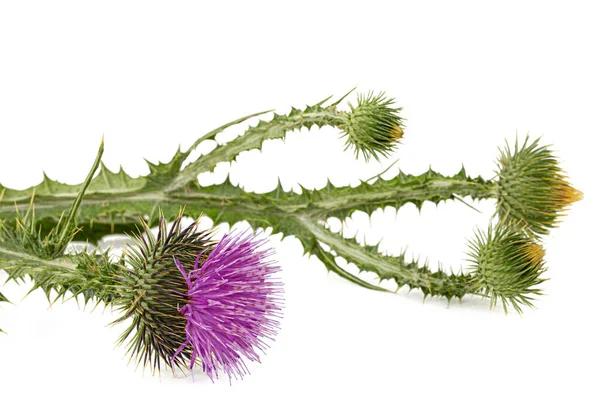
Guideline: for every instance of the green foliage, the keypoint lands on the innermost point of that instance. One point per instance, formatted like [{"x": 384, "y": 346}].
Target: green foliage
[
  {"x": 91, "y": 276},
  {"x": 530, "y": 188},
  {"x": 25, "y": 235},
  {"x": 398, "y": 269},
  {"x": 27, "y": 250}
]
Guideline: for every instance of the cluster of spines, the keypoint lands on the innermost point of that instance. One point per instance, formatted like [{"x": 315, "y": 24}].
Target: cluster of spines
[
  {"x": 155, "y": 292},
  {"x": 533, "y": 189},
  {"x": 507, "y": 265},
  {"x": 373, "y": 127}
]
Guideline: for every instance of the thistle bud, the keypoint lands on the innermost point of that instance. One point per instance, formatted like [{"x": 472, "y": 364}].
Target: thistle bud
[
  {"x": 191, "y": 299},
  {"x": 533, "y": 189},
  {"x": 373, "y": 127},
  {"x": 507, "y": 265}
]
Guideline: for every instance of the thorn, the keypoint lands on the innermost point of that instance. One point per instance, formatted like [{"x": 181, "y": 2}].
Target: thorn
[
  {"x": 320, "y": 103},
  {"x": 382, "y": 172},
  {"x": 343, "y": 97}
]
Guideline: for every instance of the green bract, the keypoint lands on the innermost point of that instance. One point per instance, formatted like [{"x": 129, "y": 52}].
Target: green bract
[
  {"x": 156, "y": 291},
  {"x": 532, "y": 188},
  {"x": 373, "y": 126},
  {"x": 507, "y": 265}
]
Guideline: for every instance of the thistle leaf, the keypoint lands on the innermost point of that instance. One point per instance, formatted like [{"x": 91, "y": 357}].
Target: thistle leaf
[
  {"x": 162, "y": 174},
  {"x": 368, "y": 258},
  {"x": 254, "y": 137}
]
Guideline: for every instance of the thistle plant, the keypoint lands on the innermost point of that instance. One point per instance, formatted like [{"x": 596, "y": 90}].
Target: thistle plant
[
  {"x": 173, "y": 273},
  {"x": 182, "y": 293}
]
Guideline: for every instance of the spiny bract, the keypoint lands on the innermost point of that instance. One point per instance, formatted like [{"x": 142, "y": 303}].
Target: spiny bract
[
  {"x": 156, "y": 291},
  {"x": 533, "y": 189},
  {"x": 188, "y": 297},
  {"x": 373, "y": 126},
  {"x": 507, "y": 265}
]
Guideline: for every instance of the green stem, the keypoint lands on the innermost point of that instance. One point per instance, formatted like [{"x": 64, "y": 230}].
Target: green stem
[
  {"x": 229, "y": 203},
  {"x": 402, "y": 272},
  {"x": 253, "y": 139}
]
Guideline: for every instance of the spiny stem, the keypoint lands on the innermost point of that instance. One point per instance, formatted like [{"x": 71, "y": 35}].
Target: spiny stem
[
  {"x": 227, "y": 199},
  {"x": 403, "y": 273},
  {"x": 253, "y": 139}
]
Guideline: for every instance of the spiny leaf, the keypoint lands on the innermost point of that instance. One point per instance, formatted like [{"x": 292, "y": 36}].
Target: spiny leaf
[
  {"x": 280, "y": 210},
  {"x": 26, "y": 236},
  {"x": 109, "y": 183},
  {"x": 329, "y": 261},
  {"x": 161, "y": 174},
  {"x": 368, "y": 258},
  {"x": 254, "y": 137}
]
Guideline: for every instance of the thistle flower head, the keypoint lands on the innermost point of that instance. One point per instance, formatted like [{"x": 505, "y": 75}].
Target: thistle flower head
[
  {"x": 533, "y": 188},
  {"x": 507, "y": 265},
  {"x": 373, "y": 126},
  {"x": 155, "y": 290},
  {"x": 234, "y": 302},
  {"x": 189, "y": 298}
]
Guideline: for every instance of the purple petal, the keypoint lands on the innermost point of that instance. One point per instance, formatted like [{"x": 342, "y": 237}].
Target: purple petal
[{"x": 234, "y": 305}]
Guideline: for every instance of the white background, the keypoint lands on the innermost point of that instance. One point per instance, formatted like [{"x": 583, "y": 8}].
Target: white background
[{"x": 150, "y": 76}]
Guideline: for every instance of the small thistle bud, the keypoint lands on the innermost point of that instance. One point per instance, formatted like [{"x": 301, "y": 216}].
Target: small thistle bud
[
  {"x": 234, "y": 303},
  {"x": 188, "y": 297},
  {"x": 507, "y": 265},
  {"x": 533, "y": 190},
  {"x": 373, "y": 127}
]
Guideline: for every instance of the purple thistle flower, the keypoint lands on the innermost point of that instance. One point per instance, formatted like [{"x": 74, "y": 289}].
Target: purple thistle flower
[{"x": 234, "y": 303}]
